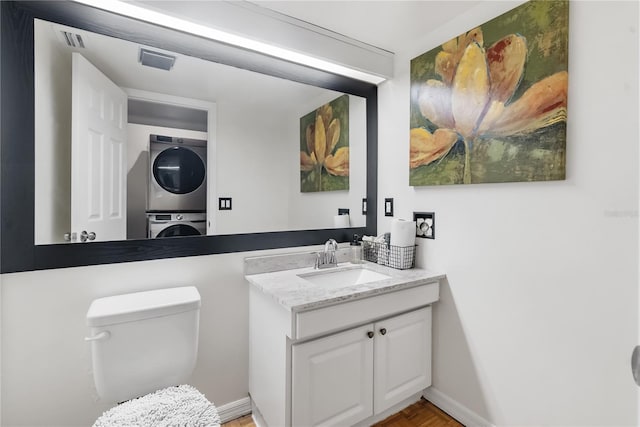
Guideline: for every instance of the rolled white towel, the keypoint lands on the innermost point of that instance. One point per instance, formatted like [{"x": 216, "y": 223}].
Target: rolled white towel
[{"x": 381, "y": 239}]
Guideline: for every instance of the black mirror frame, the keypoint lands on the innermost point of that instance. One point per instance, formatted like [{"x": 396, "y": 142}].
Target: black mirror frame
[{"x": 17, "y": 249}]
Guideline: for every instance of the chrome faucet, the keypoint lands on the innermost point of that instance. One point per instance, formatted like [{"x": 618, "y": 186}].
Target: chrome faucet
[{"x": 327, "y": 258}]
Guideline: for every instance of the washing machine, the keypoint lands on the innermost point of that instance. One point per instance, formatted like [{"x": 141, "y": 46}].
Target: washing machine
[
  {"x": 177, "y": 174},
  {"x": 169, "y": 224}
]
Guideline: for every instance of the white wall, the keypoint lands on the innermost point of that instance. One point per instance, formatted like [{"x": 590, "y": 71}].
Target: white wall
[
  {"x": 52, "y": 72},
  {"x": 252, "y": 169},
  {"x": 540, "y": 313},
  {"x": 260, "y": 169},
  {"x": 46, "y": 365}
]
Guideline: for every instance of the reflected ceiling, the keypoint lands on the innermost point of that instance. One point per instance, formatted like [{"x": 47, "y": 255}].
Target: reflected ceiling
[{"x": 190, "y": 77}]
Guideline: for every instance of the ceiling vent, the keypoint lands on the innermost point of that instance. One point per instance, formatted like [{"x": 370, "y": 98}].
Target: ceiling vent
[
  {"x": 158, "y": 60},
  {"x": 72, "y": 39}
]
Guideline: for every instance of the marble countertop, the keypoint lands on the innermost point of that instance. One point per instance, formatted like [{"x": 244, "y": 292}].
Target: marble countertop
[{"x": 297, "y": 294}]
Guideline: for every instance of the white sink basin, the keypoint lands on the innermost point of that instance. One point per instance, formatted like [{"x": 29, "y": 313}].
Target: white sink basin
[{"x": 343, "y": 278}]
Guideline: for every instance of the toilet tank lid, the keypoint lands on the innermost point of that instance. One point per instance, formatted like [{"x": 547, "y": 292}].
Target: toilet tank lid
[{"x": 142, "y": 305}]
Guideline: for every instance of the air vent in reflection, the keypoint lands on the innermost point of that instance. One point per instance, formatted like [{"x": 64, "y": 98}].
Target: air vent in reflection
[
  {"x": 156, "y": 59},
  {"x": 73, "y": 40}
]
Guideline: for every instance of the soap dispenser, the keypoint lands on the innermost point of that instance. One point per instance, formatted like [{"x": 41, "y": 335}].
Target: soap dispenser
[{"x": 356, "y": 250}]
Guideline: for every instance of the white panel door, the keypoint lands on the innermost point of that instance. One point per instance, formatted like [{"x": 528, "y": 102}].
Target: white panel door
[
  {"x": 402, "y": 355},
  {"x": 98, "y": 155},
  {"x": 332, "y": 380}
]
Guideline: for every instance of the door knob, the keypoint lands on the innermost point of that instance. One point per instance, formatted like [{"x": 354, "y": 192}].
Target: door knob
[
  {"x": 370, "y": 334},
  {"x": 635, "y": 364},
  {"x": 84, "y": 236},
  {"x": 383, "y": 331}
]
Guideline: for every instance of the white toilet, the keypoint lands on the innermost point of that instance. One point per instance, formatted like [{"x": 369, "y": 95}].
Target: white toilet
[{"x": 143, "y": 346}]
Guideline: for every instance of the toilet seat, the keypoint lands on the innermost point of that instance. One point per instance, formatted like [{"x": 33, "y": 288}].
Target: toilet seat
[{"x": 172, "y": 406}]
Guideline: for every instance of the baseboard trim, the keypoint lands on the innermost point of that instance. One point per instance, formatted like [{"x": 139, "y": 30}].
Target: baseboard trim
[
  {"x": 454, "y": 408},
  {"x": 232, "y": 410}
]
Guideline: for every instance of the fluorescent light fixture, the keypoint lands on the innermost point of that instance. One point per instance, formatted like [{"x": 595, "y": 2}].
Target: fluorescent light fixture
[{"x": 143, "y": 14}]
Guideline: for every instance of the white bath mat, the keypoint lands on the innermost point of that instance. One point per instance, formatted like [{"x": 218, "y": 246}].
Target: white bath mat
[{"x": 181, "y": 406}]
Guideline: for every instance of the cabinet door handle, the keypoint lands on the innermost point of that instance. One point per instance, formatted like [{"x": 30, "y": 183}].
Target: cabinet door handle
[
  {"x": 370, "y": 334},
  {"x": 383, "y": 331}
]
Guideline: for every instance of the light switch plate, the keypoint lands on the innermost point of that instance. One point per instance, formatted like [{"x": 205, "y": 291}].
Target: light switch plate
[
  {"x": 364, "y": 206},
  {"x": 425, "y": 224},
  {"x": 388, "y": 207},
  {"x": 224, "y": 203}
]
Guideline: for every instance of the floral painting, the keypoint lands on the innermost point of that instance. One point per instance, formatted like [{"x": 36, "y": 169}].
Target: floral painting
[
  {"x": 324, "y": 147},
  {"x": 491, "y": 104}
]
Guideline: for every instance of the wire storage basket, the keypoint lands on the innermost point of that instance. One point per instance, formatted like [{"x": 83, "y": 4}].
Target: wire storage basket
[{"x": 400, "y": 257}]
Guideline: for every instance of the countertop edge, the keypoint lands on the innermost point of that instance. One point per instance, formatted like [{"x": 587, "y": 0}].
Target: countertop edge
[
  {"x": 363, "y": 295},
  {"x": 297, "y": 295}
]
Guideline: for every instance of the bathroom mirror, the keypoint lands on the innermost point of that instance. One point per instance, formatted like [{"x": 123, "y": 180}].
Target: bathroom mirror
[
  {"x": 246, "y": 126},
  {"x": 17, "y": 208}
]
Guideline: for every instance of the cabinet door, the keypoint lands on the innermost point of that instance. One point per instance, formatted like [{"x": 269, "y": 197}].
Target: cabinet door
[
  {"x": 332, "y": 380},
  {"x": 402, "y": 357}
]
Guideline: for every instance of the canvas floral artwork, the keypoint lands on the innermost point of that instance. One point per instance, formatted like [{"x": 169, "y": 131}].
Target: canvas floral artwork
[
  {"x": 491, "y": 104},
  {"x": 324, "y": 147}
]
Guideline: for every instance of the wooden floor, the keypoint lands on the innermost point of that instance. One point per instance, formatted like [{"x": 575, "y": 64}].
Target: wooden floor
[
  {"x": 420, "y": 414},
  {"x": 245, "y": 421}
]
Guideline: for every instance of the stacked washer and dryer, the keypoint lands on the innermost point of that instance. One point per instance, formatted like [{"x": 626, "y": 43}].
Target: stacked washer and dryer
[{"x": 177, "y": 190}]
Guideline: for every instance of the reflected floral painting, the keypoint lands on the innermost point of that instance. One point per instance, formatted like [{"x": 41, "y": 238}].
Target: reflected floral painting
[
  {"x": 491, "y": 104},
  {"x": 324, "y": 147}
]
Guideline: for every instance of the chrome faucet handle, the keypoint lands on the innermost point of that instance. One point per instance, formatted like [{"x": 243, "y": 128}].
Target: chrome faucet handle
[
  {"x": 327, "y": 258},
  {"x": 330, "y": 245}
]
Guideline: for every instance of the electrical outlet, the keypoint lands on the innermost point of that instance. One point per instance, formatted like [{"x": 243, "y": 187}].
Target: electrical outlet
[
  {"x": 425, "y": 224},
  {"x": 388, "y": 207},
  {"x": 343, "y": 211}
]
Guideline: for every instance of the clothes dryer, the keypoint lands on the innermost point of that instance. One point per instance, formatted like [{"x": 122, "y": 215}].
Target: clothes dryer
[
  {"x": 177, "y": 174},
  {"x": 161, "y": 225}
]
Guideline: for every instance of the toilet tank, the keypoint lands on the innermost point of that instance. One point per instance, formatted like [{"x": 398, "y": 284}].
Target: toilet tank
[{"x": 144, "y": 341}]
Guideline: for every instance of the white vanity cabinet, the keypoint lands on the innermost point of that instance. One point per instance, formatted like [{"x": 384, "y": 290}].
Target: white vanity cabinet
[
  {"x": 338, "y": 357},
  {"x": 332, "y": 379},
  {"x": 346, "y": 377}
]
